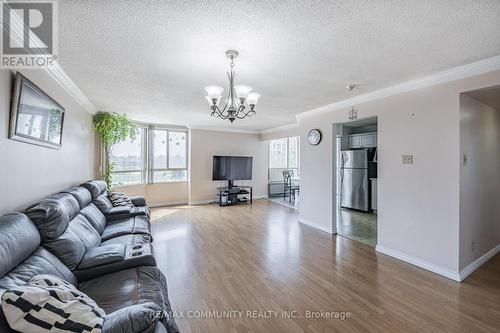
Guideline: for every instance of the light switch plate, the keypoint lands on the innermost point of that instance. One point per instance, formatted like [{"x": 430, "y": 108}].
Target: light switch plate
[{"x": 407, "y": 159}]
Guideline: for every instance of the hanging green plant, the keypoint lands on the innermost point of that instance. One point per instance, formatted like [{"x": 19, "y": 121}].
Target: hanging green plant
[{"x": 113, "y": 128}]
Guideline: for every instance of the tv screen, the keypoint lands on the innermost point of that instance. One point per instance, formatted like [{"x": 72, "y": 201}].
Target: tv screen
[{"x": 232, "y": 168}]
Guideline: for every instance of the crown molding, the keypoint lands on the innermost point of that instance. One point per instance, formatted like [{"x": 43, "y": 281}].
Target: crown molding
[
  {"x": 457, "y": 73},
  {"x": 55, "y": 70},
  {"x": 280, "y": 128},
  {"x": 62, "y": 78},
  {"x": 223, "y": 129}
]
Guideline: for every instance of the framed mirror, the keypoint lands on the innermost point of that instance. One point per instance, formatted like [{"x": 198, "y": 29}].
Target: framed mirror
[{"x": 35, "y": 117}]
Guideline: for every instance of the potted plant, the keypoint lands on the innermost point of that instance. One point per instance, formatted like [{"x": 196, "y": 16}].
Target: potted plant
[{"x": 113, "y": 128}]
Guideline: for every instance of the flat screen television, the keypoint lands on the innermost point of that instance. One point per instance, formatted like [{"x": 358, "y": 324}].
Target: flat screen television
[{"x": 232, "y": 168}]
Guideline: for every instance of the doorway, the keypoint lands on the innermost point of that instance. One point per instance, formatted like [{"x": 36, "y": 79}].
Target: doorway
[{"x": 356, "y": 172}]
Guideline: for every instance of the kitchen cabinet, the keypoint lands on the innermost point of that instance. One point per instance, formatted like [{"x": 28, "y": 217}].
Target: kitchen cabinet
[
  {"x": 365, "y": 140},
  {"x": 355, "y": 141},
  {"x": 370, "y": 140}
]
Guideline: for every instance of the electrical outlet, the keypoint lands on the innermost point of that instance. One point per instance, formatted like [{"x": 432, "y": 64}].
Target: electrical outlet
[
  {"x": 407, "y": 159},
  {"x": 472, "y": 246}
]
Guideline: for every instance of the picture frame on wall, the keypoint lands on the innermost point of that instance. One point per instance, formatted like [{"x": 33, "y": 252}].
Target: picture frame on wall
[{"x": 35, "y": 117}]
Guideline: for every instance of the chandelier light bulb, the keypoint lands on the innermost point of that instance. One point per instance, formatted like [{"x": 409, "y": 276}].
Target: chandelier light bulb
[
  {"x": 242, "y": 91},
  {"x": 253, "y": 98},
  {"x": 214, "y": 92},
  {"x": 211, "y": 101}
]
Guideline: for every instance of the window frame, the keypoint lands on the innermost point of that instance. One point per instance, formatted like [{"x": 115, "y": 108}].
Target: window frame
[
  {"x": 147, "y": 154},
  {"x": 151, "y": 167},
  {"x": 287, "y": 157},
  {"x": 143, "y": 171}
]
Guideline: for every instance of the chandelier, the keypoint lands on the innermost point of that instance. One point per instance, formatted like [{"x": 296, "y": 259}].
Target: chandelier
[{"x": 238, "y": 95}]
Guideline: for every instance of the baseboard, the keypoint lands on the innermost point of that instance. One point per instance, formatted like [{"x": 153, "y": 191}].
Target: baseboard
[
  {"x": 316, "y": 226},
  {"x": 201, "y": 202},
  {"x": 168, "y": 203},
  {"x": 443, "y": 271},
  {"x": 470, "y": 268},
  {"x": 260, "y": 196}
]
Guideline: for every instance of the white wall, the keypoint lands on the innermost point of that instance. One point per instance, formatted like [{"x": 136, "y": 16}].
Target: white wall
[
  {"x": 479, "y": 179},
  {"x": 205, "y": 144},
  {"x": 160, "y": 194},
  {"x": 28, "y": 172},
  {"x": 418, "y": 217}
]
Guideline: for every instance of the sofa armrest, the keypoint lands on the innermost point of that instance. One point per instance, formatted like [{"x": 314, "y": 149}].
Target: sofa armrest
[
  {"x": 103, "y": 255},
  {"x": 132, "y": 256},
  {"x": 136, "y": 318},
  {"x": 138, "y": 201},
  {"x": 118, "y": 213}
]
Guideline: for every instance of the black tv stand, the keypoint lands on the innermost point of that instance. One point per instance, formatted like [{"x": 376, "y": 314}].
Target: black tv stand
[{"x": 234, "y": 195}]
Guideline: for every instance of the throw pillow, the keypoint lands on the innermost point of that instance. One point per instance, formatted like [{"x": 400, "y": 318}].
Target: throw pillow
[
  {"x": 52, "y": 305},
  {"x": 119, "y": 199}
]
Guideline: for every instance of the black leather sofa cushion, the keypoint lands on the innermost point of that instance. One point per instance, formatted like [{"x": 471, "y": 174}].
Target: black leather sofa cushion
[
  {"x": 81, "y": 194},
  {"x": 94, "y": 216},
  {"x": 68, "y": 240},
  {"x": 18, "y": 239},
  {"x": 85, "y": 231},
  {"x": 103, "y": 203},
  {"x": 95, "y": 187},
  {"x": 99, "y": 193},
  {"x": 52, "y": 215},
  {"x": 68, "y": 248},
  {"x": 21, "y": 257},
  {"x": 131, "y": 225},
  {"x": 113, "y": 291},
  {"x": 39, "y": 262}
]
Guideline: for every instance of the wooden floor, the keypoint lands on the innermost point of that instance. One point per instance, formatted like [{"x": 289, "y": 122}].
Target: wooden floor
[{"x": 258, "y": 258}]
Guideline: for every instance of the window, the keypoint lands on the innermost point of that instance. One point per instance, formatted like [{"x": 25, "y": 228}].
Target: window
[
  {"x": 170, "y": 156},
  {"x": 283, "y": 154},
  {"x": 167, "y": 162},
  {"x": 129, "y": 159}
]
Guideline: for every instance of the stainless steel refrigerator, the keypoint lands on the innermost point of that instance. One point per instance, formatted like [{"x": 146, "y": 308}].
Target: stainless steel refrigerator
[{"x": 354, "y": 179}]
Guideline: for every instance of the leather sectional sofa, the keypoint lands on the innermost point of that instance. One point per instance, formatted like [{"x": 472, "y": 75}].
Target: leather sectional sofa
[{"x": 106, "y": 253}]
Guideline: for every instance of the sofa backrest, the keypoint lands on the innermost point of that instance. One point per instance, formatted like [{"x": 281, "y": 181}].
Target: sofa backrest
[
  {"x": 18, "y": 239},
  {"x": 63, "y": 228},
  {"x": 98, "y": 191},
  {"x": 22, "y": 257},
  {"x": 87, "y": 208}
]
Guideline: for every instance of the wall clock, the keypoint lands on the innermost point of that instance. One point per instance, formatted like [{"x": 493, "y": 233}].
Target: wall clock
[{"x": 314, "y": 137}]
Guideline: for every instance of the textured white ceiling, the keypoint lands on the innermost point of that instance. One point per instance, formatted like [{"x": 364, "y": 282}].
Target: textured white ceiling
[{"x": 152, "y": 59}]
